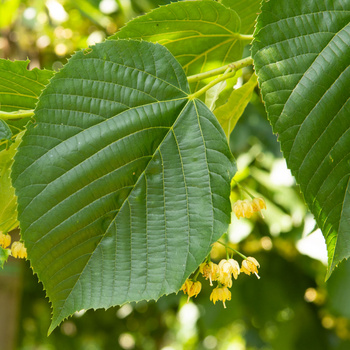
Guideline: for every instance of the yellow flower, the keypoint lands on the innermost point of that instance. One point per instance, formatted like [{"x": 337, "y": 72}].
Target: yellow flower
[
  {"x": 220, "y": 293},
  {"x": 5, "y": 240},
  {"x": 209, "y": 271},
  {"x": 191, "y": 288},
  {"x": 235, "y": 268},
  {"x": 250, "y": 265},
  {"x": 243, "y": 209},
  {"x": 18, "y": 250},
  {"x": 226, "y": 268},
  {"x": 258, "y": 204}
]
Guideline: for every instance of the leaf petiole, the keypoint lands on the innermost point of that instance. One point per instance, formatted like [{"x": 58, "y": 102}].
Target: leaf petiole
[
  {"x": 17, "y": 114},
  {"x": 211, "y": 84},
  {"x": 217, "y": 71}
]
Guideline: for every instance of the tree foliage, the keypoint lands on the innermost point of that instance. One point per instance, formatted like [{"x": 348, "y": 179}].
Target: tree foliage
[{"x": 123, "y": 175}]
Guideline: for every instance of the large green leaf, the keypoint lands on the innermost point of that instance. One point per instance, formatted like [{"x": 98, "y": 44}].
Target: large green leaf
[
  {"x": 247, "y": 11},
  {"x": 123, "y": 183},
  {"x": 200, "y": 34},
  {"x": 301, "y": 53}
]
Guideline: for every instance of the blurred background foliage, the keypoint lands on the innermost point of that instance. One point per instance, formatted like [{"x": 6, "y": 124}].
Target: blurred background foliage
[{"x": 289, "y": 308}]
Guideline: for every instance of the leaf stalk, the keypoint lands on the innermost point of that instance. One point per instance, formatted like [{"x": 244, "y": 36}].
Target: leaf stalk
[
  {"x": 214, "y": 72},
  {"x": 17, "y": 114}
]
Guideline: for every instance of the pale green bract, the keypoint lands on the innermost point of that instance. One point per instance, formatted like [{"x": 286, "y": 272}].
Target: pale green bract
[
  {"x": 301, "y": 54},
  {"x": 123, "y": 182},
  {"x": 8, "y": 203},
  {"x": 229, "y": 113}
]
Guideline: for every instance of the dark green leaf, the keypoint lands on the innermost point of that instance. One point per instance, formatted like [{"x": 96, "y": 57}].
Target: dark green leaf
[
  {"x": 301, "y": 53},
  {"x": 5, "y": 131},
  {"x": 123, "y": 183}
]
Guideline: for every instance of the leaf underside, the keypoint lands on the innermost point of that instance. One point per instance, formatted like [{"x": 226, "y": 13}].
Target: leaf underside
[
  {"x": 301, "y": 54},
  {"x": 202, "y": 35},
  {"x": 123, "y": 183},
  {"x": 247, "y": 11}
]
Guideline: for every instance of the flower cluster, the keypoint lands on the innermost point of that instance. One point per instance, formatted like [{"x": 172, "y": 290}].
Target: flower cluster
[
  {"x": 246, "y": 208},
  {"x": 222, "y": 273},
  {"x": 18, "y": 249}
]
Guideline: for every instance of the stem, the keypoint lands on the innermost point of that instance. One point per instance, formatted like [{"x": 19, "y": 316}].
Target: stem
[
  {"x": 214, "y": 72},
  {"x": 16, "y": 115},
  {"x": 236, "y": 251},
  {"x": 211, "y": 84},
  {"x": 243, "y": 189},
  {"x": 195, "y": 276}
]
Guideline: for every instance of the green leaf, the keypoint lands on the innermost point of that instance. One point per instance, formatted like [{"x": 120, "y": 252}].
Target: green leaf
[
  {"x": 247, "y": 11},
  {"x": 202, "y": 35},
  {"x": 229, "y": 113},
  {"x": 301, "y": 53},
  {"x": 123, "y": 183},
  {"x": 20, "y": 87},
  {"x": 4, "y": 254},
  {"x": 5, "y": 131},
  {"x": 8, "y": 203}
]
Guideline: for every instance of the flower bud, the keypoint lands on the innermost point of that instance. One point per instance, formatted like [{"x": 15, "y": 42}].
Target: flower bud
[{"x": 18, "y": 250}]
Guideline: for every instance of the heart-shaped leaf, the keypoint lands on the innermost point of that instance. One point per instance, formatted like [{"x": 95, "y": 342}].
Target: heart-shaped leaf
[
  {"x": 302, "y": 55},
  {"x": 123, "y": 183}
]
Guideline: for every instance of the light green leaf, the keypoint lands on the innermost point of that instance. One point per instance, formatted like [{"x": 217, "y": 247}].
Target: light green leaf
[
  {"x": 4, "y": 254},
  {"x": 8, "y": 203},
  {"x": 19, "y": 90},
  {"x": 229, "y": 113},
  {"x": 302, "y": 56},
  {"x": 123, "y": 183},
  {"x": 202, "y": 35},
  {"x": 20, "y": 87},
  {"x": 247, "y": 11}
]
